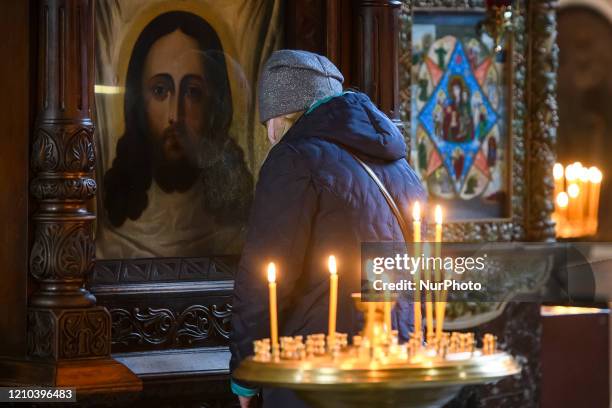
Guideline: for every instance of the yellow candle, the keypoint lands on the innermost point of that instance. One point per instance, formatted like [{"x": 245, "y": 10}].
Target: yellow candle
[
  {"x": 558, "y": 176},
  {"x": 416, "y": 227},
  {"x": 583, "y": 182},
  {"x": 595, "y": 177},
  {"x": 561, "y": 213},
  {"x": 370, "y": 318},
  {"x": 573, "y": 191},
  {"x": 438, "y": 219},
  {"x": 387, "y": 313},
  {"x": 440, "y": 303},
  {"x": 416, "y": 222},
  {"x": 428, "y": 307},
  {"x": 333, "y": 298},
  {"x": 571, "y": 175},
  {"x": 273, "y": 317}
]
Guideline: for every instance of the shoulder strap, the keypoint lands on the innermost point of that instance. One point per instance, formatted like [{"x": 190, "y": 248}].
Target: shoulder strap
[{"x": 398, "y": 215}]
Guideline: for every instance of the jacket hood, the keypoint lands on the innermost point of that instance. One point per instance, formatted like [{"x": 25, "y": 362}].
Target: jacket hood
[{"x": 353, "y": 121}]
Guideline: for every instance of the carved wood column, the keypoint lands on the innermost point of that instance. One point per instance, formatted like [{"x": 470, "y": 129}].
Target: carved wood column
[
  {"x": 65, "y": 327},
  {"x": 543, "y": 121},
  {"x": 62, "y": 159},
  {"x": 376, "y": 41}
]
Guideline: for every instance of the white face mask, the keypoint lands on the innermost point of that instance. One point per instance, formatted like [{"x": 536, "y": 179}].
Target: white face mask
[{"x": 277, "y": 127}]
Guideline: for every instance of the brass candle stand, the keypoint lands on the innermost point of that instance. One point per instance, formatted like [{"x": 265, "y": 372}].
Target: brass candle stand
[{"x": 375, "y": 370}]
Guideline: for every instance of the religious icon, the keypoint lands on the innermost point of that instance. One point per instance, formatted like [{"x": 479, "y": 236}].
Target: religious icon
[
  {"x": 461, "y": 125},
  {"x": 179, "y": 182}
]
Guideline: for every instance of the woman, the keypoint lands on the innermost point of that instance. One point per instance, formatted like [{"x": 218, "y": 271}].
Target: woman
[{"x": 314, "y": 199}]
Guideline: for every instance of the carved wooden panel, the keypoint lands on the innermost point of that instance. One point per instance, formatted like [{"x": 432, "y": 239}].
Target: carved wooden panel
[
  {"x": 68, "y": 334},
  {"x": 165, "y": 303},
  {"x": 150, "y": 318},
  {"x": 61, "y": 250},
  {"x": 162, "y": 269},
  {"x": 201, "y": 325}
]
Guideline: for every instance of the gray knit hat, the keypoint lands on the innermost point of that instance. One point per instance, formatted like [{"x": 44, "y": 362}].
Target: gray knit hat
[{"x": 292, "y": 80}]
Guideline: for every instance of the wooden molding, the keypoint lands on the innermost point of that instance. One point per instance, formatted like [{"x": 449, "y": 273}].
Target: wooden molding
[{"x": 376, "y": 42}]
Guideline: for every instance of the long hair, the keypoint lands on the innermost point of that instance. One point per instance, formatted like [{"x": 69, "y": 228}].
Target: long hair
[{"x": 227, "y": 182}]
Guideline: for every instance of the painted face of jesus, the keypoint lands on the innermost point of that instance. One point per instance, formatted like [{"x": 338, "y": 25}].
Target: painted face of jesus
[{"x": 174, "y": 96}]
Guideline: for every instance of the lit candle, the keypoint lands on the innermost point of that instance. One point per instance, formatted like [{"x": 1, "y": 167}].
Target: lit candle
[
  {"x": 595, "y": 177},
  {"x": 333, "y": 299},
  {"x": 569, "y": 172},
  {"x": 387, "y": 313},
  {"x": 428, "y": 307},
  {"x": 428, "y": 303},
  {"x": 370, "y": 319},
  {"x": 561, "y": 213},
  {"x": 573, "y": 191},
  {"x": 583, "y": 183},
  {"x": 571, "y": 176},
  {"x": 273, "y": 317},
  {"x": 416, "y": 221},
  {"x": 438, "y": 219},
  {"x": 440, "y": 304},
  {"x": 416, "y": 227},
  {"x": 558, "y": 176}
]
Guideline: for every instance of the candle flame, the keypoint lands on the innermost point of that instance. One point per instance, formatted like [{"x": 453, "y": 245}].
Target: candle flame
[
  {"x": 558, "y": 171},
  {"x": 562, "y": 199},
  {"x": 332, "y": 265},
  {"x": 595, "y": 175},
  {"x": 271, "y": 272},
  {"x": 416, "y": 212},
  {"x": 438, "y": 214},
  {"x": 573, "y": 190},
  {"x": 570, "y": 173},
  {"x": 583, "y": 174}
]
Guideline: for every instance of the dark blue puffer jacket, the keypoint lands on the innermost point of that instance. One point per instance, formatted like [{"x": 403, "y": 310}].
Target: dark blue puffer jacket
[{"x": 312, "y": 200}]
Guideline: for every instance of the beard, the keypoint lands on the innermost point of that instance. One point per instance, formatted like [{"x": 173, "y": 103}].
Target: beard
[
  {"x": 175, "y": 167},
  {"x": 215, "y": 161}
]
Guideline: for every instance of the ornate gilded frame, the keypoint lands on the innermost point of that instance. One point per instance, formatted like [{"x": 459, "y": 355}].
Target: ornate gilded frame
[{"x": 532, "y": 120}]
